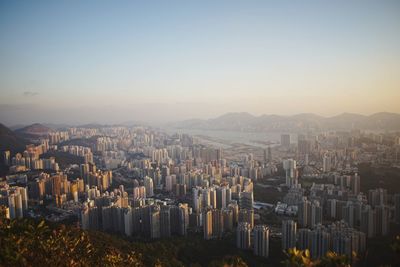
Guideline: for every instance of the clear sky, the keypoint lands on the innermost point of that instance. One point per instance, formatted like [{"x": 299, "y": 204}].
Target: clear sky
[{"x": 115, "y": 61}]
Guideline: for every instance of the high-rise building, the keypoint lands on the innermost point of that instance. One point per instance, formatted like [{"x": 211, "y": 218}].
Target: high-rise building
[
  {"x": 148, "y": 184},
  {"x": 213, "y": 198},
  {"x": 285, "y": 140},
  {"x": 289, "y": 229},
  {"x": 319, "y": 242},
  {"x": 128, "y": 222},
  {"x": 306, "y": 161},
  {"x": 348, "y": 213},
  {"x": 265, "y": 160},
  {"x": 139, "y": 192},
  {"x": 346, "y": 240},
  {"x": 165, "y": 221},
  {"x": 303, "y": 238},
  {"x": 235, "y": 211},
  {"x": 183, "y": 219},
  {"x": 377, "y": 197},
  {"x": 326, "y": 163},
  {"x": 24, "y": 197},
  {"x": 289, "y": 165},
  {"x": 246, "y": 216},
  {"x": 368, "y": 221},
  {"x": 309, "y": 213},
  {"x": 227, "y": 215},
  {"x": 246, "y": 200},
  {"x": 303, "y": 146},
  {"x": 155, "y": 222},
  {"x": 207, "y": 224},
  {"x": 243, "y": 232},
  {"x": 382, "y": 220},
  {"x": 337, "y": 237},
  {"x": 170, "y": 182},
  {"x": 84, "y": 216},
  {"x": 219, "y": 153},
  {"x": 137, "y": 220},
  {"x": 304, "y": 212},
  {"x": 261, "y": 240},
  {"x": 84, "y": 171},
  {"x": 217, "y": 223},
  {"x": 331, "y": 208},
  {"x": 316, "y": 213},
  {"x": 396, "y": 199},
  {"x": 205, "y": 198},
  {"x": 269, "y": 154},
  {"x": 221, "y": 197},
  {"x": 180, "y": 190},
  {"x": 196, "y": 199},
  {"x": 17, "y": 202},
  {"x": 7, "y": 158},
  {"x": 145, "y": 224},
  {"x": 90, "y": 216},
  {"x": 175, "y": 219},
  {"x": 195, "y": 220},
  {"x": 113, "y": 218},
  {"x": 228, "y": 193},
  {"x": 355, "y": 185}
]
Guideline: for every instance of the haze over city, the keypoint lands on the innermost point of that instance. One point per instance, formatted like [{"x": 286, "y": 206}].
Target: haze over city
[
  {"x": 200, "y": 133},
  {"x": 160, "y": 61}
]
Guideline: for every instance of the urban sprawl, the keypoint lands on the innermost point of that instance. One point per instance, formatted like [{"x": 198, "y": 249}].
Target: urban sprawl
[{"x": 139, "y": 181}]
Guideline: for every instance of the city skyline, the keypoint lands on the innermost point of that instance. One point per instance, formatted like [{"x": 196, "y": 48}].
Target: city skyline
[
  {"x": 200, "y": 133},
  {"x": 101, "y": 62}
]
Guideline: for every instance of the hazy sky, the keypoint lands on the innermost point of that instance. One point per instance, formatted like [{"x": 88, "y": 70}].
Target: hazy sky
[{"x": 114, "y": 61}]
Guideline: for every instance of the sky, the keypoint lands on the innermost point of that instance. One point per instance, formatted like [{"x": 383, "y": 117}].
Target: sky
[{"x": 157, "y": 61}]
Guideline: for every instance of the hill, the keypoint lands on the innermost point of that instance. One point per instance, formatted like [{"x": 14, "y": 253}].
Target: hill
[
  {"x": 10, "y": 141},
  {"x": 295, "y": 123},
  {"x": 33, "y": 243},
  {"x": 35, "y": 129}
]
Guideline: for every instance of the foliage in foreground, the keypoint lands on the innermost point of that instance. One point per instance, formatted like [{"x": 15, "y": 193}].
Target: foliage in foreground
[
  {"x": 302, "y": 258},
  {"x": 228, "y": 261},
  {"x": 27, "y": 242},
  {"x": 30, "y": 243},
  {"x": 33, "y": 243}
]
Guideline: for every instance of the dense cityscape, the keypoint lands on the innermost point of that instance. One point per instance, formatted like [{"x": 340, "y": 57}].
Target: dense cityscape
[
  {"x": 141, "y": 182},
  {"x": 213, "y": 133}
]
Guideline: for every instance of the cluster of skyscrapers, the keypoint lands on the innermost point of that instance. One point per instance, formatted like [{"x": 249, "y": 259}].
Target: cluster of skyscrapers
[
  {"x": 15, "y": 200},
  {"x": 337, "y": 237},
  {"x": 256, "y": 238},
  {"x": 30, "y": 159},
  {"x": 141, "y": 182}
]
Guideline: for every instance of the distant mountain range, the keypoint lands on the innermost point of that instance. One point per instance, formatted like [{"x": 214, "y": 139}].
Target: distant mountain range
[
  {"x": 242, "y": 121},
  {"x": 43, "y": 127},
  {"x": 296, "y": 123}
]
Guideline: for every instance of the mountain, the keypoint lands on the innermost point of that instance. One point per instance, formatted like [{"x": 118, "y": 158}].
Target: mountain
[
  {"x": 10, "y": 141},
  {"x": 57, "y": 126},
  {"x": 384, "y": 119},
  {"x": 16, "y": 126},
  {"x": 234, "y": 120},
  {"x": 295, "y": 123},
  {"x": 35, "y": 129},
  {"x": 91, "y": 125}
]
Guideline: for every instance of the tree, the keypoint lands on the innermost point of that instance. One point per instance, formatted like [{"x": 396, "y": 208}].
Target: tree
[
  {"x": 302, "y": 258},
  {"x": 29, "y": 243}
]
